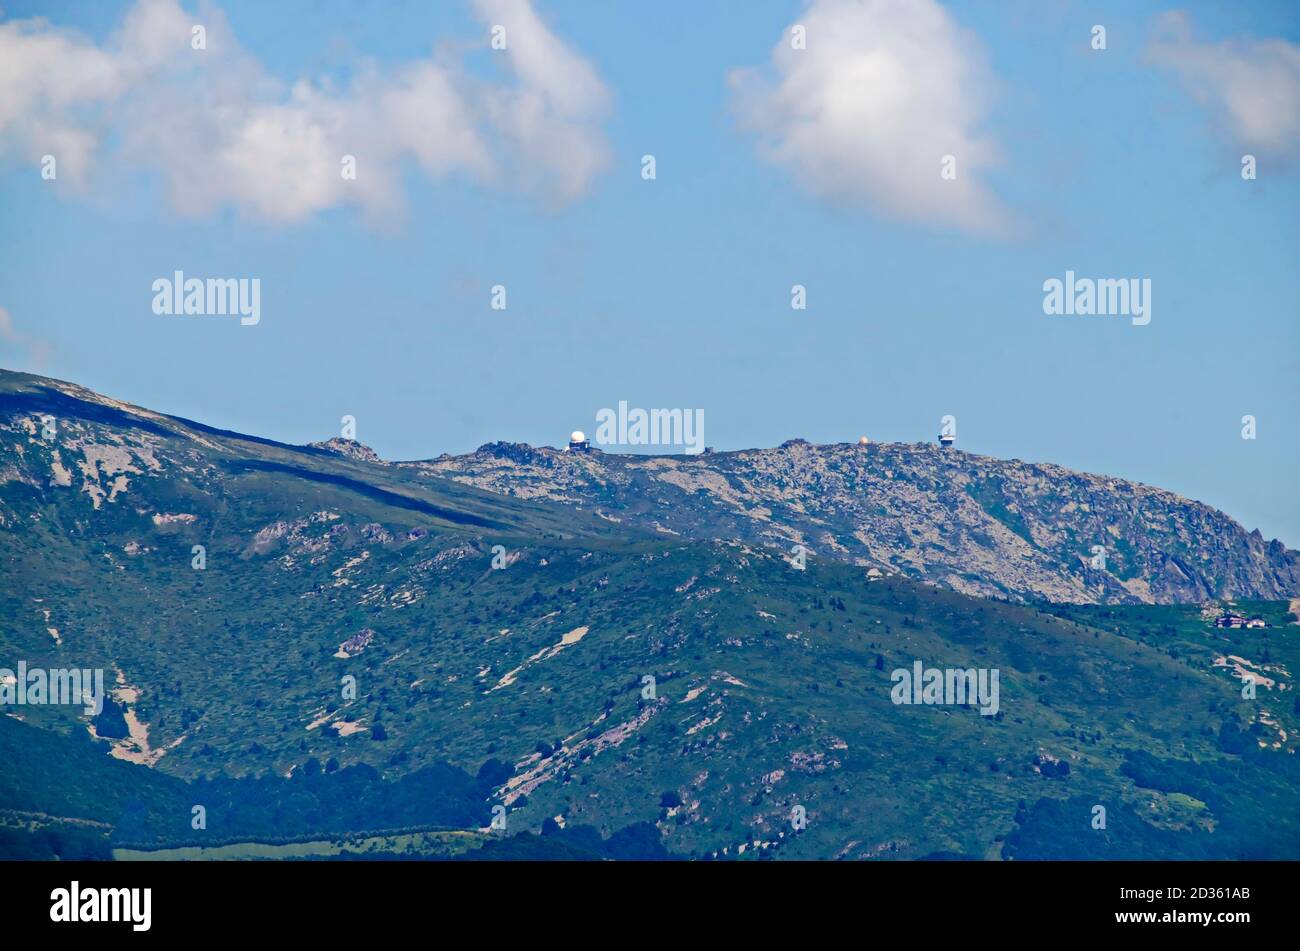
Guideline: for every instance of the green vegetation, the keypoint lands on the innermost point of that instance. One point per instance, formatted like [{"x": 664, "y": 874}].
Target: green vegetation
[
  {"x": 992, "y": 498},
  {"x": 612, "y": 693}
]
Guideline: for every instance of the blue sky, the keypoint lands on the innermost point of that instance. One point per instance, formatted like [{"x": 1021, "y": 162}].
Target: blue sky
[{"x": 676, "y": 292}]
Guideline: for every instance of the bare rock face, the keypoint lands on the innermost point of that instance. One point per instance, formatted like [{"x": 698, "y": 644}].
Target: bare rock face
[
  {"x": 975, "y": 524},
  {"x": 355, "y": 644},
  {"x": 349, "y": 448}
]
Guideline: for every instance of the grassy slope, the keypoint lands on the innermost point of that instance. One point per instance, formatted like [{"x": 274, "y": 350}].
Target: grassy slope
[{"x": 769, "y": 694}]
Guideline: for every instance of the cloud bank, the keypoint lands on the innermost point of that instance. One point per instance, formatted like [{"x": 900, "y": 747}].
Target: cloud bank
[
  {"x": 1251, "y": 87},
  {"x": 866, "y": 112},
  {"x": 224, "y": 131}
]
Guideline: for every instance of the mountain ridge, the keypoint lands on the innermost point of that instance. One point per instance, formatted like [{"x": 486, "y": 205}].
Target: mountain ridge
[
  {"x": 977, "y": 524},
  {"x": 573, "y": 671}
]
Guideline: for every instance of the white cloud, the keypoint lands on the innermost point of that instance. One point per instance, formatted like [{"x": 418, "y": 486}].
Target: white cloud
[
  {"x": 884, "y": 90},
  {"x": 547, "y": 115},
  {"x": 1251, "y": 86},
  {"x": 223, "y": 130},
  {"x": 45, "y": 75}
]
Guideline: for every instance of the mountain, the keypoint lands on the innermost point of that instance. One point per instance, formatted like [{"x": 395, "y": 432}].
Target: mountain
[
  {"x": 335, "y": 656},
  {"x": 982, "y": 526}
]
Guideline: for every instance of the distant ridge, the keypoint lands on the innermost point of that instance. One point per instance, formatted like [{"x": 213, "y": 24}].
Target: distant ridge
[{"x": 976, "y": 524}]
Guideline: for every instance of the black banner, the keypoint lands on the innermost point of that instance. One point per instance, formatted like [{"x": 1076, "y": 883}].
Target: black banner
[{"x": 199, "y": 900}]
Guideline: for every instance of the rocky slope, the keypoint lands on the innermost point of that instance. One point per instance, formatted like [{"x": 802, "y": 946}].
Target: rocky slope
[
  {"x": 975, "y": 524},
  {"x": 313, "y": 644}
]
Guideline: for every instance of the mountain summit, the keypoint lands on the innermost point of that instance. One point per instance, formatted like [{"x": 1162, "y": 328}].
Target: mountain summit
[{"x": 975, "y": 524}]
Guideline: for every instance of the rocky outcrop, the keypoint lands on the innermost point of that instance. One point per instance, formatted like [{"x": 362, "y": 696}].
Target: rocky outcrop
[
  {"x": 349, "y": 448},
  {"x": 975, "y": 524}
]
